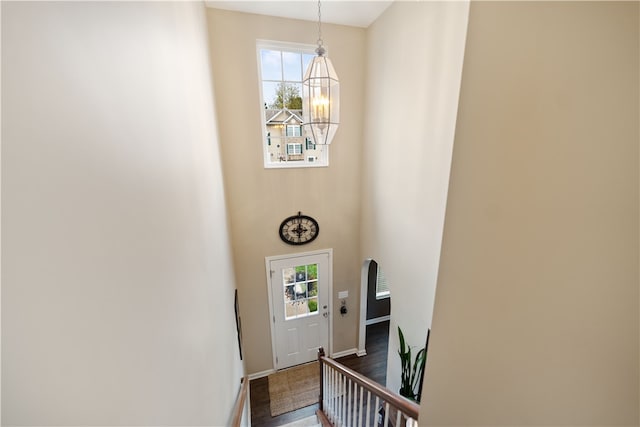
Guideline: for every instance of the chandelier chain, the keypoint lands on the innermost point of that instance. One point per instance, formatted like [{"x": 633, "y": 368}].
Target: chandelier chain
[{"x": 319, "y": 27}]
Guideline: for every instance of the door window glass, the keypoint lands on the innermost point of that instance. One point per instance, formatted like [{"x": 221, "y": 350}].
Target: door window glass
[{"x": 300, "y": 291}]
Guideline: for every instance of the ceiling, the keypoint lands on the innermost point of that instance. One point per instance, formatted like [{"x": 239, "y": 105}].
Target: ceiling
[{"x": 357, "y": 13}]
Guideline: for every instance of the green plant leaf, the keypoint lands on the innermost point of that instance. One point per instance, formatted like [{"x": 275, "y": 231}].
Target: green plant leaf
[
  {"x": 401, "y": 336},
  {"x": 418, "y": 367},
  {"x": 411, "y": 369}
]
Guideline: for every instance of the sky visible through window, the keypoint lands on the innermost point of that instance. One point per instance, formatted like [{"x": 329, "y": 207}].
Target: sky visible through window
[
  {"x": 278, "y": 67},
  {"x": 285, "y": 144}
]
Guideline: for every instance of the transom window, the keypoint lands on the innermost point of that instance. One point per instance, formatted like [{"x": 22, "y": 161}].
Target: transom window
[
  {"x": 300, "y": 291},
  {"x": 281, "y": 68}
]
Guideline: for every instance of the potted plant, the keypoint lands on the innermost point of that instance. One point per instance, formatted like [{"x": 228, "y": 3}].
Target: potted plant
[{"x": 411, "y": 369}]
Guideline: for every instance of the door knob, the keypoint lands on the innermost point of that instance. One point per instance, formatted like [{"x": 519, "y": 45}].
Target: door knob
[{"x": 325, "y": 314}]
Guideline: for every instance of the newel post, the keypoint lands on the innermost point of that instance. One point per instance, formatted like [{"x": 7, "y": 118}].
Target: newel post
[{"x": 320, "y": 356}]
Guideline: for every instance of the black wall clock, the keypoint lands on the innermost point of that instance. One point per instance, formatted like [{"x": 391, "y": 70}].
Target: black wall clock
[{"x": 299, "y": 229}]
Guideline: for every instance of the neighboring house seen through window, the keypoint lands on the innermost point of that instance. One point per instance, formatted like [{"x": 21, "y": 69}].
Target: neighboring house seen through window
[{"x": 282, "y": 67}]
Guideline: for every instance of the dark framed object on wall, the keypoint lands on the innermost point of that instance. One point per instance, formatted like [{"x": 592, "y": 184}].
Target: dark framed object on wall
[{"x": 238, "y": 323}]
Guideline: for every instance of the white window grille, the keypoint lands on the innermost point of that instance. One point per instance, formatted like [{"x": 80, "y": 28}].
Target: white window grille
[
  {"x": 294, "y": 130},
  {"x": 294, "y": 149},
  {"x": 281, "y": 67}
]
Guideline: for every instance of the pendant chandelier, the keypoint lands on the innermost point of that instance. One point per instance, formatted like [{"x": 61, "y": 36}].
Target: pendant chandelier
[{"x": 320, "y": 96}]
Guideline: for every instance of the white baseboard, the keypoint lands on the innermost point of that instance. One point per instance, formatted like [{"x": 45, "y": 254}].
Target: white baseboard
[
  {"x": 377, "y": 320},
  {"x": 344, "y": 353},
  {"x": 361, "y": 353},
  {"x": 261, "y": 374}
]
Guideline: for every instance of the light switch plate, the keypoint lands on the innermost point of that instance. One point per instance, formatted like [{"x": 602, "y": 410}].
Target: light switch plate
[{"x": 343, "y": 294}]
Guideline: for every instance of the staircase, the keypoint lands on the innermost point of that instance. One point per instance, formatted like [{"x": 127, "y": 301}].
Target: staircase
[
  {"x": 348, "y": 399},
  {"x": 305, "y": 422}
]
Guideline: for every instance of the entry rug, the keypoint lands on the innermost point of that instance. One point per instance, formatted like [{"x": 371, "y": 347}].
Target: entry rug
[{"x": 294, "y": 388}]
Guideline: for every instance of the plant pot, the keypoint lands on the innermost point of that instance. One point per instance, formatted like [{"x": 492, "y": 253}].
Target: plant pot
[{"x": 409, "y": 396}]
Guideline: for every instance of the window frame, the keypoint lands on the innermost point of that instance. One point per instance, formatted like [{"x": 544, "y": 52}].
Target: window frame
[
  {"x": 293, "y": 152},
  {"x": 384, "y": 293},
  {"x": 297, "y": 129},
  {"x": 320, "y": 154},
  {"x": 306, "y": 281}
]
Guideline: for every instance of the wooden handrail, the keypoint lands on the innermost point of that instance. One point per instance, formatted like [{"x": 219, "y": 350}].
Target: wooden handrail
[
  {"x": 408, "y": 407},
  {"x": 238, "y": 409},
  {"x": 322, "y": 417}
]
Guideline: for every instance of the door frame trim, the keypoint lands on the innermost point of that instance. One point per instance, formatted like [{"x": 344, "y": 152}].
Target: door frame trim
[
  {"x": 364, "y": 289},
  {"x": 268, "y": 261}
]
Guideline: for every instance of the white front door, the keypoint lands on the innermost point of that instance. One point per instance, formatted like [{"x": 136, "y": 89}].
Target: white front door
[{"x": 299, "y": 287}]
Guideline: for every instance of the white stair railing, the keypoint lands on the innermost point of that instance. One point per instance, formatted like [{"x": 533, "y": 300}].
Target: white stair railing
[{"x": 347, "y": 399}]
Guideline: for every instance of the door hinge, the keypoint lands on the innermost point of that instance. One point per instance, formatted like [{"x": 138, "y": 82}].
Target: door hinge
[
  {"x": 274, "y": 319},
  {"x": 271, "y": 273},
  {"x": 277, "y": 361}
]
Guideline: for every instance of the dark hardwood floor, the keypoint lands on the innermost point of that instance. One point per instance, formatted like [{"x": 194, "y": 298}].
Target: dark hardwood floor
[{"x": 373, "y": 366}]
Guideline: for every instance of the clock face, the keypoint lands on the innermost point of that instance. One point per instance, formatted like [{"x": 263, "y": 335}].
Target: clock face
[{"x": 299, "y": 229}]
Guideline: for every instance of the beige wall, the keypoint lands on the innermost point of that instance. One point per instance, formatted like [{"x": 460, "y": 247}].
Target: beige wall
[
  {"x": 414, "y": 65},
  {"x": 259, "y": 199},
  {"x": 117, "y": 283},
  {"x": 536, "y": 314}
]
